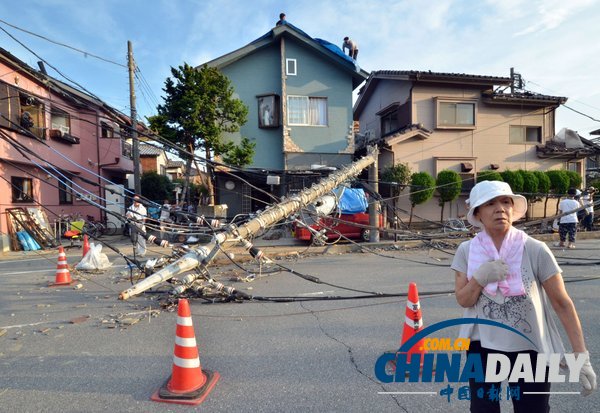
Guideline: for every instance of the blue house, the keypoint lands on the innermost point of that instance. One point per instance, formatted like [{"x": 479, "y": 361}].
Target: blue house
[{"x": 299, "y": 93}]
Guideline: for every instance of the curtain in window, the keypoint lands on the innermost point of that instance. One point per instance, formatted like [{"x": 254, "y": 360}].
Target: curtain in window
[
  {"x": 297, "y": 110},
  {"x": 318, "y": 111},
  {"x": 464, "y": 114}
]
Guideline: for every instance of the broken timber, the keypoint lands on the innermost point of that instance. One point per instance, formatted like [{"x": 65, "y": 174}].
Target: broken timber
[{"x": 203, "y": 255}]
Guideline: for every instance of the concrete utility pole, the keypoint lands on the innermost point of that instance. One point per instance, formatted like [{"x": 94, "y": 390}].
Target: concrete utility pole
[
  {"x": 134, "y": 139},
  {"x": 374, "y": 204},
  {"x": 204, "y": 254}
]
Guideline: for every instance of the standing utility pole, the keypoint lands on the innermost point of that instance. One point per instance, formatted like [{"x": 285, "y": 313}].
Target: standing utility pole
[{"x": 134, "y": 140}]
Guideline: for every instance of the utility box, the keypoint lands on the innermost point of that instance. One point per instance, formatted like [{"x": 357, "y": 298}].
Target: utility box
[{"x": 215, "y": 211}]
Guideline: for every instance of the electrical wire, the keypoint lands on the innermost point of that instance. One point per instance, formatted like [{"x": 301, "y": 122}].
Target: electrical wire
[{"x": 86, "y": 54}]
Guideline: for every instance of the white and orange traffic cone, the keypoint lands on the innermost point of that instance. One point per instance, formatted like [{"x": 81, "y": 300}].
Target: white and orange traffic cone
[
  {"x": 413, "y": 321},
  {"x": 189, "y": 383},
  {"x": 63, "y": 276},
  {"x": 86, "y": 245}
]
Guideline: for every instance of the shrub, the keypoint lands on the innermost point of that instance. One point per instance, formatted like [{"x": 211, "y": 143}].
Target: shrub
[
  {"x": 449, "y": 185},
  {"x": 575, "y": 179},
  {"x": 543, "y": 182},
  {"x": 488, "y": 176},
  {"x": 530, "y": 184},
  {"x": 422, "y": 186},
  {"x": 559, "y": 181},
  {"x": 514, "y": 179}
]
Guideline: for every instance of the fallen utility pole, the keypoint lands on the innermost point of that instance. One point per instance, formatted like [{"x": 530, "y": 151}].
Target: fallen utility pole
[{"x": 203, "y": 255}]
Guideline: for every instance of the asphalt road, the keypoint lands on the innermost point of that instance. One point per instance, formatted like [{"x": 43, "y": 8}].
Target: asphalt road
[{"x": 82, "y": 350}]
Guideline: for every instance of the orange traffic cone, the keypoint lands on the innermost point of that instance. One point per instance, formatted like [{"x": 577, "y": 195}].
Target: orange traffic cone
[
  {"x": 86, "y": 245},
  {"x": 189, "y": 383},
  {"x": 63, "y": 276},
  {"x": 413, "y": 321}
]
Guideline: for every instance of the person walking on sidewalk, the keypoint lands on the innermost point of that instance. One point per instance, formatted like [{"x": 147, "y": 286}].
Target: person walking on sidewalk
[
  {"x": 137, "y": 213},
  {"x": 568, "y": 223},
  {"x": 503, "y": 275},
  {"x": 588, "y": 201}
]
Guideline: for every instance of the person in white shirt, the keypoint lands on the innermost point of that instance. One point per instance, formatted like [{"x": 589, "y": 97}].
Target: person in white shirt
[
  {"x": 588, "y": 201},
  {"x": 137, "y": 213},
  {"x": 504, "y": 276},
  {"x": 568, "y": 223},
  {"x": 165, "y": 217}
]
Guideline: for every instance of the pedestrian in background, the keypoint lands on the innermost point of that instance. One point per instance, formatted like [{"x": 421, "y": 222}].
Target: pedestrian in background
[
  {"x": 352, "y": 47},
  {"x": 567, "y": 226},
  {"x": 588, "y": 201},
  {"x": 165, "y": 217},
  {"x": 137, "y": 214},
  {"x": 503, "y": 275}
]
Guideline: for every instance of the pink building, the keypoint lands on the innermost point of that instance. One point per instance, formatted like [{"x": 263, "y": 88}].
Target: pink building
[{"x": 56, "y": 144}]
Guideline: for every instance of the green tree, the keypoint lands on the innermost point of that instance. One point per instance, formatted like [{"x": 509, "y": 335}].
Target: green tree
[
  {"x": 488, "y": 176},
  {"x": 241, "y": 155},
  {"x": 514, "y": 179},
  {"x": 156, "y": 187},
  {"x": 396, "y": 177},
  {"x": 530, "y": 187},
  {"x": 559, "y": 183},
  {"x": 449, "y": 185},
  {"x": 543, "y": 187},
  {"x": 399, "y": 175},
  {"x": 575, "y": 179},
  {"x": 198, "y": 107},
  {"x": 422, "y": 186}
]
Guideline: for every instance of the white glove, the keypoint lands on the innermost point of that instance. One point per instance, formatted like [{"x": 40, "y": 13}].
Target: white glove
[
  {"x": 587, "y": 377},
  {"x": 490, "y": 272}
]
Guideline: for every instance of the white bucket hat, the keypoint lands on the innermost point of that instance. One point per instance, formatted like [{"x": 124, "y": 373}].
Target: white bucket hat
[{"x": 487, "y": 190}]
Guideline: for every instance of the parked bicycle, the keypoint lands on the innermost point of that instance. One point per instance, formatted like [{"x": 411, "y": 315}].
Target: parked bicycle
[
  {"x": 99, "y": 228},
  {"x": 457, "y": 227}
]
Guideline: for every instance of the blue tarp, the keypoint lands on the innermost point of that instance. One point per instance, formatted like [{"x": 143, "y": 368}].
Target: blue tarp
[
  {"x": 328, "y": 45},
  {"x": 352, "y": 200}
]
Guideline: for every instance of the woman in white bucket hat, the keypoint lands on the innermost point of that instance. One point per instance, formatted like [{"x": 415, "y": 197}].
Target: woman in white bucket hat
[{"x": 503, "y": 275}]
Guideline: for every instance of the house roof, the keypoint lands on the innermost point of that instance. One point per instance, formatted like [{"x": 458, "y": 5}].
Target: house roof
[
  {"x": 414, "y": 130},
  {"x": 175, "y": 164},
  {"x": 69, "y": 93},
  {"x": 570, "y": 146},
  {"x": 524, "y": 98},
  {"x": 149, "y": 150},
  {"x": 484, "y": 81},
  {"x": 288, "y": 30}
]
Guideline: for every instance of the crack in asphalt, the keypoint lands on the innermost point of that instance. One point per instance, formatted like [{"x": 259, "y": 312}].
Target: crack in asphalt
[{"x": 351, "y": 356}]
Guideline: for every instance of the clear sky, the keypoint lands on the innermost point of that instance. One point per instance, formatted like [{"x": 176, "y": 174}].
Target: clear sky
[{"x": 554, "y": 44}]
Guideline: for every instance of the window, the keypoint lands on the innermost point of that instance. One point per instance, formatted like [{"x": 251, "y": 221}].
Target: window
[
  {"x": 574, "y": 166},
  {"x": 22, "y": 189},
  {"x": 107, "y": 130},
  {"x": 65, "y": 192},
  {"x": 268, "y": 111},
  {"x": 32, "y": 115},
  {"x": 309, "y": 111},
  {"x": 459, "y": 115},
  {"x": 525, "y": 134},
  {"x": 290, "y": 67},
  {"x": 390, "y": 122},
  {"x": 60, "y": 120}
]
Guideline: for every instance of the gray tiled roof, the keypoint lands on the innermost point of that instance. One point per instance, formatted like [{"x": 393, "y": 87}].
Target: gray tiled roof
[
  {"x": 426, "y": 75},
  {"x": 149, "y": 150}
]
